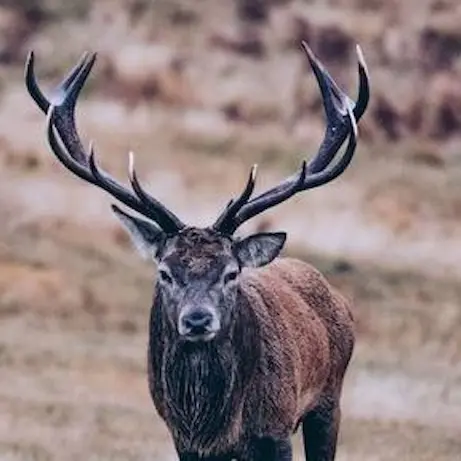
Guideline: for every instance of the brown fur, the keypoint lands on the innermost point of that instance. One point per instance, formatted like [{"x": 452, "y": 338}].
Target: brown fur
[{"x": 306, "y": 329}]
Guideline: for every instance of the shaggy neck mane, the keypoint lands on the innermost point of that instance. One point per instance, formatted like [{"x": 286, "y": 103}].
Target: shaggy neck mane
[
  {"x": 199, "y": 383},
  {"x": 202, "y": 382}
]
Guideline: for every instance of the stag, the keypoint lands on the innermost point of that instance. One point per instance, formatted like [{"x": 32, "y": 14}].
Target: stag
[{"x": 243, "y": 346}]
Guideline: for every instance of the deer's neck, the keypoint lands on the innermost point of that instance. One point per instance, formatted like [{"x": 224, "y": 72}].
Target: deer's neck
[{"x": 202, "y": 384}]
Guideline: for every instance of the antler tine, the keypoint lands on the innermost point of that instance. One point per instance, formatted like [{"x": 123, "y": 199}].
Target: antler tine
[
  {"x": 68, "y": 91},
  {"x": 65, "y": 143},
  {"x": 328, "y": 87},
  {"x": 106, "y": 182},
  {"x": 234, "y": 206},
  {"x": 364, "y": 86},
  {"x": 152, "y": 204},
  {"x": 260, "y": 204},
  {"x": 32, "y": 85}
]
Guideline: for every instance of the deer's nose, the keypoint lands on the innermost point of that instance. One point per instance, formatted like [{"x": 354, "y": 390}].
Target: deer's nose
[{"x": 197, "y": 322}]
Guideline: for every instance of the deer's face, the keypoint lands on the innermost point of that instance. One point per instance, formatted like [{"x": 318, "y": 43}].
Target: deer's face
[
  {"x": 198, "y": 276},
  {"x": 199, "y": 273}
]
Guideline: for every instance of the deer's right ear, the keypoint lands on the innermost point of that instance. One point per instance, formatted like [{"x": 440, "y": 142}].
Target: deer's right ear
[
  {"x": 257, "y": 250},
  {"x": 146, "y": 236}
]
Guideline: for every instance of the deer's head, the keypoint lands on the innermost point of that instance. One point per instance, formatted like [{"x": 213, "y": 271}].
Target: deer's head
[{"x": 199, "y": 269}]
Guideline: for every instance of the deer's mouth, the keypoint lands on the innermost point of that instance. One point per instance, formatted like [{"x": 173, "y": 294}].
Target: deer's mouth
[{"x": 200, "y": 337}]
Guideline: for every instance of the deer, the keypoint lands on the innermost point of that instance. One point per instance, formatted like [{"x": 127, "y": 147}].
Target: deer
[{"x": 244, "y": 346}]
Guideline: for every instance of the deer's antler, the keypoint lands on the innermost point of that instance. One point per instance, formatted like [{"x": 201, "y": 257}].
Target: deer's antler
[
  {"x": 66, "y": 145},
  {"x": 342, "y": 115}
]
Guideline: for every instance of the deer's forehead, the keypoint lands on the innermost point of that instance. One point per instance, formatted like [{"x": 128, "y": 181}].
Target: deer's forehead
[
  {"x": 186, "y": 269},
  {"x": 197, "y": 244},
  {"x": 198, "y": 252}
]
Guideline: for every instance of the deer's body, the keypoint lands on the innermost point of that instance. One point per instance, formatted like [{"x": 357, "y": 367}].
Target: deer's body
[
  {"x": 282, "y": 356},
  {"x": 242, "y": 348}
]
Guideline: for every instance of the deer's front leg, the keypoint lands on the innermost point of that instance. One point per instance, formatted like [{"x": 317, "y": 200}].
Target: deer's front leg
[{"x": 320, "y": 431}]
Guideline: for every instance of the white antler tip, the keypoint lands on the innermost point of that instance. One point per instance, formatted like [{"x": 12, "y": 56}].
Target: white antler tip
[
  {"x": 353, "y": 122},
  {"x": 361, "y": 57},
  {"x": 131, "y": 163},
  {"x": 306, "y": 46},
  {"x": 30, "y": 58}
]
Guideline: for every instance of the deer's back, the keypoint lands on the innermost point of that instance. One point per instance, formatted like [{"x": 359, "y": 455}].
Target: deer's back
[{"x": 306, "y": 329}]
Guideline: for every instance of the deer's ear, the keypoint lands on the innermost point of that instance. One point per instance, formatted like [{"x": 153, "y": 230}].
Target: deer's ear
[
  {"x": 146, "y": 236},
  {"x": 259, "y": 249}
]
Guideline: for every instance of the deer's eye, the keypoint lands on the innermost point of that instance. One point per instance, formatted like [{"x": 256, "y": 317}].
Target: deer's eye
[
  {"x": 230, "y": 277},
  {"x": 165, "y": 277}
]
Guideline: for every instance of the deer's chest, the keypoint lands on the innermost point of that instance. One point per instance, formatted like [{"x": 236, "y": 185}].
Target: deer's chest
[{"x": 200, "y": 391}]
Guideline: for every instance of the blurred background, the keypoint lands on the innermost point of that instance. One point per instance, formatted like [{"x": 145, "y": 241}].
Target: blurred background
[{"x": 201, "y": 90}]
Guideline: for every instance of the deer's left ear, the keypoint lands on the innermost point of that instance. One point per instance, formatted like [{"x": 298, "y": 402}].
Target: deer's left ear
[
  {"x": 259, "y": 249},
  {"x": 146, "y": 236}
]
